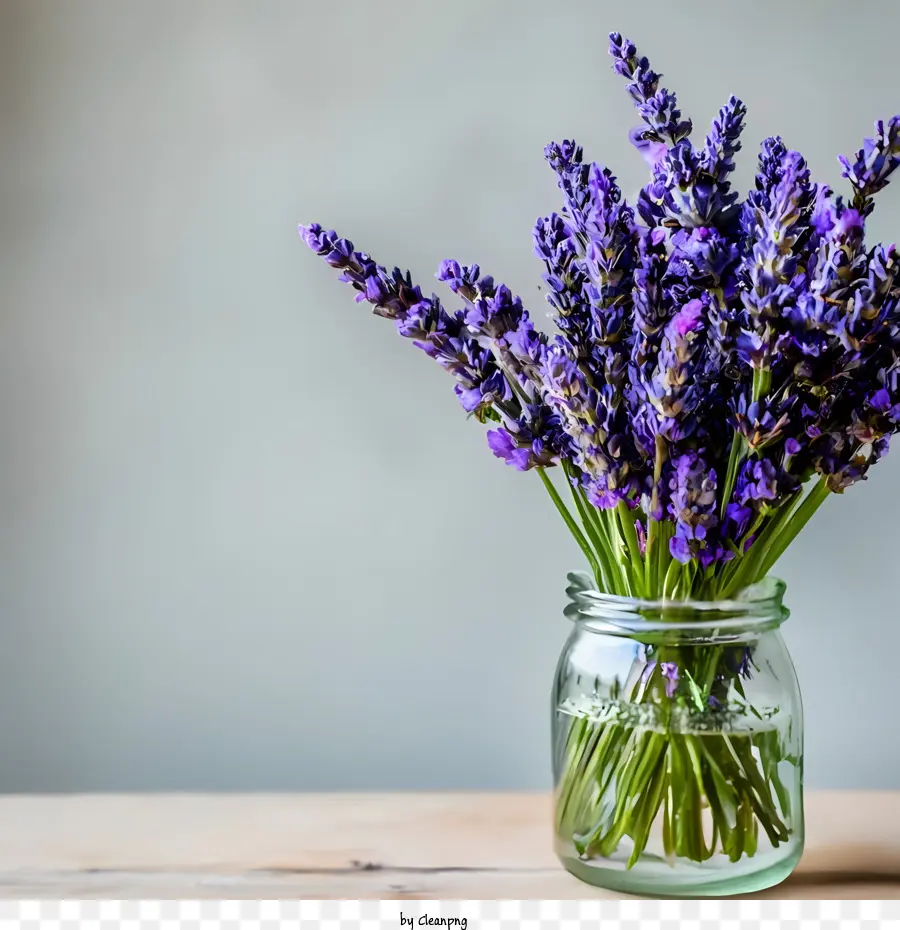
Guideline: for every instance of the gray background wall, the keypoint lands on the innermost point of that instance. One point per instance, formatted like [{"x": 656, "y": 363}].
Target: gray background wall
[{"x": 247, "y": 538}]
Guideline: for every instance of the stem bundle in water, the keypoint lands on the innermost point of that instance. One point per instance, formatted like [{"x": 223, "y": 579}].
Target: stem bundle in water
[
  {"x": 688, "y": 754},
  {"x": 687, "y": 795}
]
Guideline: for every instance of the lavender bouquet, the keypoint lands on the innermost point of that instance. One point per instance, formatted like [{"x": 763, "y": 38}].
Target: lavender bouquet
[{"x": 720, "y": 369}]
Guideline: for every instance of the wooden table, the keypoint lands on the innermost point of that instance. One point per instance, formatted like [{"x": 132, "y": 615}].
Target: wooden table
[{"x": 438, "y": 846}]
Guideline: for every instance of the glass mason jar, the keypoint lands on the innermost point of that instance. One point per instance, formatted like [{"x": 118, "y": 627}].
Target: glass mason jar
[{"x": 677, "y": 744}]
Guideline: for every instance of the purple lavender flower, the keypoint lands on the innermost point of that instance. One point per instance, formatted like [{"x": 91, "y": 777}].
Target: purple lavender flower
[
  {"x": 776, "y": 218},
  {"x": 665, "y": 393},
  {"x": 841, "y": 260},
  {"x": 652, "y": 151},
  {"x": 822, "y": 218},
  {"x": 392, "y": 294},
  {"x": 758, "y": 481},
  {"x": 648, "y": 295},
  {"x": 589, "y": 251},
  {"x": 657, "y": 107},
  {"x": 609, "y": 226},
  {"x": 705, "y": 257},
  {"x": 503, "y": 445},
  {"x": 641, "y": 536},
  {"x": 498, "y": 317},
  {"x": 689, "y": 187},
  {"x": 566, "y": 158},
  {"x": 686, "y": 197},
  {"x": 740, "y": 661},
  {"x": 533, "y": 440},
  {"x": 712, "y": 357},
  {"x": 596, "y": 449},
  {"x": 464, "y": 280},
  {"x": 722, "y": 144},
  {"x": 770, "y": 168},
  {"x": 669, "y": 671},
  {"x": 757, "y": 422},
  {"x": 692, "y": 504},
  {"x": 874, "y": 164},
  {"x": 481, "y": 384},
  {"x": 761, "y": 483},
  {"x": 843, "y": 461},
  {"x": 556, "y": 245}
]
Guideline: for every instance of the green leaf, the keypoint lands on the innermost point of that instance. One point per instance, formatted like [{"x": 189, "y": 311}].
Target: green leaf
[{"x": 694, "y": 691}]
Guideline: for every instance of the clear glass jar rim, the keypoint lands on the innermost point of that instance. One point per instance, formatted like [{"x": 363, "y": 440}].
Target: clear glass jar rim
[{"x": 759, "y": 605}]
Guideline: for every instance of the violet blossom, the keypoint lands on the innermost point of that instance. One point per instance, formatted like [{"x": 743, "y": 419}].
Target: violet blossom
[
  {"x": 669, "y": 671},
  {"x": 716, "y": 363}
]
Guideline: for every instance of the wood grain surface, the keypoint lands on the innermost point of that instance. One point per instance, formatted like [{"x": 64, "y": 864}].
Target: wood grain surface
[{"x": 432, "y": 846}]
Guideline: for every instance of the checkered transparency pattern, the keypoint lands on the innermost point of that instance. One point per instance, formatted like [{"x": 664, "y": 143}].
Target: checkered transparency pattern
[{"x": 630, "y": 914}]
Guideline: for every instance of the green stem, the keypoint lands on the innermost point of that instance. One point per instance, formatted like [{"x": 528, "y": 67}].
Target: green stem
[
  {"x": 736, "y": 564},
  {"x": 745, "y": 570},
  {"x": 610, "y": 540},
  {"x": 673, "y": 576},
  {"x": 738, "y": 449},
  {"x": 762, "y": 382},
  {"x": 650, "y": 557},
  {"x": 610, "y": 521},
  {"x": 663, "y": 557},
  {"x": 645, "y": 812},
  {"x": 811, "y": 503},
  {"x": 654, "y": 541},
  {"x": 572, "y": 525},
  {"x": 629, "y": 534},
  {"x": 601, "y": 546},
  {"x": 659, "y": 460}
]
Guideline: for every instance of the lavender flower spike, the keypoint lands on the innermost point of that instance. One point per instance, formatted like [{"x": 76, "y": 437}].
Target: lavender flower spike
[
  {"x": 535, "y": 439},
  {"x": 658, "y": 108},
  {"x": 481, "y": 384},
  {"x": 722, "y": 143},
  {"x": 874, "y": 164},
  {"x": 692, "y": 506},
  {"x": 777, "y": 216},
  {"x": 497, "y": 318},
  {"x": 566, "y": 279}
]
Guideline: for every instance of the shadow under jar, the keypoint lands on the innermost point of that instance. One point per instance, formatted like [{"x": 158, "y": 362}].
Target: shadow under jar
[{"x": 677, "y": 744}]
